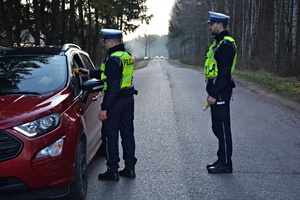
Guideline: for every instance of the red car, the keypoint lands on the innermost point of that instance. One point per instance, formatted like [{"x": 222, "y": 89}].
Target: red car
[{"x": 49, "y": 127}]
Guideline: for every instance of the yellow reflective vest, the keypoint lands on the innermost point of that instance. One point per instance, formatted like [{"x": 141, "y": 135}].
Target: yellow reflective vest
[
  {"x": 211, "y": 66},
  {"x": 128, "y": 66}
]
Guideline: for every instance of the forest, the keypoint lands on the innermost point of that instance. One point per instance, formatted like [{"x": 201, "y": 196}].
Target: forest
[
  {"x": 27, "y": 22},
  {"x": 266, "y": 33}
]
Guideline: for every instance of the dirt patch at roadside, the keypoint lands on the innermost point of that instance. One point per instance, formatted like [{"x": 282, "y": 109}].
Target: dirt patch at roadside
[{"x": 271, "y": 95}]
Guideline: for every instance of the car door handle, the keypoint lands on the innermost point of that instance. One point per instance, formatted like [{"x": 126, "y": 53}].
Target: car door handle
[{"x": 94, "y": 98}]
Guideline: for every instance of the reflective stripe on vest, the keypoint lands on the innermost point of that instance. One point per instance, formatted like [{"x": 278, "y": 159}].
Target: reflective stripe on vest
[
  {"x": 128, "y": 66},
  {"x": 211, "y": 66}
]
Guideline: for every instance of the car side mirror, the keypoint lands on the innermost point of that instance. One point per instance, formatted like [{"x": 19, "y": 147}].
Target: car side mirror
[{"x": 91, "y": 86}]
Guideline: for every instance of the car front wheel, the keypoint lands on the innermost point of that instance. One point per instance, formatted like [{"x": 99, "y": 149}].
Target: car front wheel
[{"x": 78, "y": 190}]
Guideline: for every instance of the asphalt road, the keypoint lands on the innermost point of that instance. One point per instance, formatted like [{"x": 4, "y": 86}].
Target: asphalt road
[{"x": 174, "y": 143}]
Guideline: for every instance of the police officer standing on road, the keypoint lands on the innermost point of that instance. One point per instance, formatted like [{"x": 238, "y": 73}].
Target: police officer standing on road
[
  {"x": 117, "y": 108},
  {"x": 219, "y": 64}
]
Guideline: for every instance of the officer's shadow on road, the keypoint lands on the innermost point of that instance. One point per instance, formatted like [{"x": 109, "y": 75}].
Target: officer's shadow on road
[{"x": 227, "y": 183}]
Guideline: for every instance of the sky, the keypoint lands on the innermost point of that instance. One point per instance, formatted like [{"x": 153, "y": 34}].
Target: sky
[{"x": 159, "y": 23}]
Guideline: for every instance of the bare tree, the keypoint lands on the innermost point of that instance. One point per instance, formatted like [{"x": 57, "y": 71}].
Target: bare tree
[
  {"x": 5, "y": 21},
  {"x": 295, "y": 32},
  {"x": 276, "y": 32},
  {"x": 265, "y": 32},
  {"x": 148, "y": 41},
  {"x": 151, "y": 43}
]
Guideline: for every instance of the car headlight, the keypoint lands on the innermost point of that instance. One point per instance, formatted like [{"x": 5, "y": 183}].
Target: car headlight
[
  {"x": 52, "y": 150},
  {"x": 39, "y": 126}
]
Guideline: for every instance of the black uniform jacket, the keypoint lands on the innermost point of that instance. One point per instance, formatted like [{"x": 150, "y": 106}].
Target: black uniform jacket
[
  {"x": 113, "y": 72},
  {"x": 224, "y": 57}
]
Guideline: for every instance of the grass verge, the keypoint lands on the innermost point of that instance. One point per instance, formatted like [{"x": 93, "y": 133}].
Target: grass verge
[
  {"x": 141, "y": 64},
  {"x": 284, "y": 86}
]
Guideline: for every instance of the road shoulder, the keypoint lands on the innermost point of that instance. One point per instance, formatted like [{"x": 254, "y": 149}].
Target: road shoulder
[{"x": 271, "y": 95}]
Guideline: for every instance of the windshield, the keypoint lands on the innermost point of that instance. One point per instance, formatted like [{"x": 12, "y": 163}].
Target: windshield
[{"x": 32, "y": 74}]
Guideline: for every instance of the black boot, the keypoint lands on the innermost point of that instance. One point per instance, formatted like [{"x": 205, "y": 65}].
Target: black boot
[
  {"x": 127, "y": 173},
  {"x": 109, "y": 176},
  {"x": 212, "y": 165},
  {"x": 219, "y": 169}
]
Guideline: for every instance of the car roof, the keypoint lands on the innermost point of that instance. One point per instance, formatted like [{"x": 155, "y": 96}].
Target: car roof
[
  {"x": 8, "y": 51},
  {"x": 37, "y": 50}
]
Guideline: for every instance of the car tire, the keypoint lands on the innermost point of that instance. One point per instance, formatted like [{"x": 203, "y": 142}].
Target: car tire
[{"x": 78, "y": 189}]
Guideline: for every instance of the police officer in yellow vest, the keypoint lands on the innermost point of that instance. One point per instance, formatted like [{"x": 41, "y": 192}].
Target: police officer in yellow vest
[
  {"x": 219, "y": 64},
  {"x": 117, "y": 108}
]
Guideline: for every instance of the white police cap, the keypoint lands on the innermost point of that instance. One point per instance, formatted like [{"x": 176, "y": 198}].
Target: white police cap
[
  {"x": 111, "y": 33},
  {"x": 217, "y": 17}
]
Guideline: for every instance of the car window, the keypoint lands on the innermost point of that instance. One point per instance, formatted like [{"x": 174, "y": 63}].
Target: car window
[
  {"x": 87, "y": 61},
  {"x": 30, "y": 74},
  {"x": 76, "y": 80}
]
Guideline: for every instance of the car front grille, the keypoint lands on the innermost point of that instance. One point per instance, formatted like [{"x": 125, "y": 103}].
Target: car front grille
[{"x": 10, "y": 146}]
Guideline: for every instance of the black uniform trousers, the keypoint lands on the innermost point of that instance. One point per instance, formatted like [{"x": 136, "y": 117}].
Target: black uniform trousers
[
  {"x": 120, "y": 119},
  {"x": 220, "y": 116}
]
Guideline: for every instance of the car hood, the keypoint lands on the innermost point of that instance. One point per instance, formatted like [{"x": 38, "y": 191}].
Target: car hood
[{"x": 18, "y": 109}]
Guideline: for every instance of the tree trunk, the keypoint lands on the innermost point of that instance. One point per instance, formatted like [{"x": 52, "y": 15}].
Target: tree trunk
[
  {"x": 286, "y": 31},
  {"x": 71, "y": 31},
  {"x": 17, "y": 29},
  {"x": 294, "y": 33},
  {"x": 94, "y": 54},
  {"x": 81, "y": 25},
  {"x": 55, "y": 22},
  {"x": 37, "y": 9},
  {"x": 276, "y": 33},
  {"x": 89, "y": 38},
  {"x": 63, "y": 22},
  {"x": 244, "y": 30}
]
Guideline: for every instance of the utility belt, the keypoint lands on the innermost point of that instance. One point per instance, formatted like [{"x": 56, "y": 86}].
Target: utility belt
[
  {"x": 128, "y": 90},
  {"x": 210, "y": 80}
]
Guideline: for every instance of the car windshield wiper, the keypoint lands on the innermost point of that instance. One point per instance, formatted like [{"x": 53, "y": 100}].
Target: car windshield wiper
[{"x": 20, "y": 92}]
